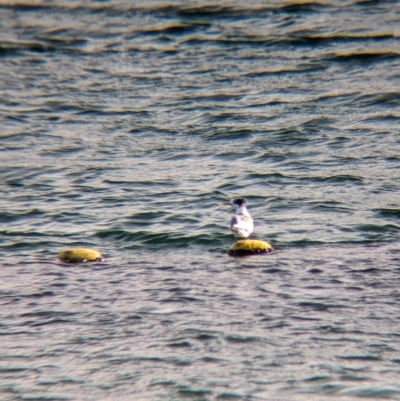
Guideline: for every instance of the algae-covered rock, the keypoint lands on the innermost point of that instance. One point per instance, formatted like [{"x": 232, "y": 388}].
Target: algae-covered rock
[
  {"x": 80, "y": 255},
  {"x": 249, "y": 247}
]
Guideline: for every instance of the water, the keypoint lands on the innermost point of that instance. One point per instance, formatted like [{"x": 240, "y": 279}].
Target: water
[{"x": 125, "y": 125}]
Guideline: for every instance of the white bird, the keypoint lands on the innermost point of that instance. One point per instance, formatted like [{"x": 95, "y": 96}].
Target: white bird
[{"x": 242, "y": 223}]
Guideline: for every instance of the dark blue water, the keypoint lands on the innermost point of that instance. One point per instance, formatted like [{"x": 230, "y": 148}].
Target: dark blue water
[{"x": 125, "y": 125}]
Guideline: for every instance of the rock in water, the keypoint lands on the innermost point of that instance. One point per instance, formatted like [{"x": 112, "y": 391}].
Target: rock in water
[
  {"x": 249, "y": 247},
  {"x": 80, "y": 255}
]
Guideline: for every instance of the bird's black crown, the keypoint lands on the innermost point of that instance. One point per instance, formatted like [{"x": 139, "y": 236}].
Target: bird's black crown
[{"x": 239, "y": 202}]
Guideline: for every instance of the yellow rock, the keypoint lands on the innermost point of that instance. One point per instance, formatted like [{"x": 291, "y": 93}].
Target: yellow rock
[
  {"x": 249, "y": 247},
  {"x": 80, "y": 255}
]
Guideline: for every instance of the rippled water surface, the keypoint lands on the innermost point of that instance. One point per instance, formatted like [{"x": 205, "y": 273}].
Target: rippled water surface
[{"x": 125, "y": 125}]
